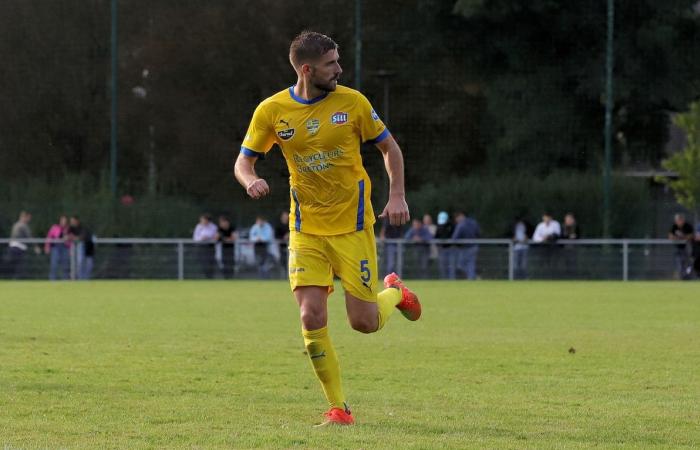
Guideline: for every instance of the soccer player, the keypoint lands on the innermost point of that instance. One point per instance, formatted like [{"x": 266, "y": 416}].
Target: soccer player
[{"x": 319, "y": 126}]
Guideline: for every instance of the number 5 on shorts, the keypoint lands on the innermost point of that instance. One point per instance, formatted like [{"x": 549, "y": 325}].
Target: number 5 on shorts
[{"x": 364, "y": 270}]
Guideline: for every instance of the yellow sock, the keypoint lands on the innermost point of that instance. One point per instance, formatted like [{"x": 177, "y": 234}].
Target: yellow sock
[
  {"x": 325, "y": 363},
  {"x": 386, "y": 304}
]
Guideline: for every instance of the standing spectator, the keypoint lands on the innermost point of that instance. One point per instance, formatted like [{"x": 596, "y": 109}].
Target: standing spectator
[
  {"x": 570, "y": 231},
  {"x": 547, "y": 232},
  {"x": 262, "y": 234},
  {"x": 226, "y": 247},
  {"x": 205, "y": 234},
  {"x": 419, "y": 236},
  {"x": 391, "y": 249},
  {"x": 17, "y": 249},
  {"x": 466, "y": 228},
  {"x": 521, "y": 247},
  {"x": 57, "y": 246},
  {"x": 432, "y": 228},
  {"x": 444, "y": 230},
  {"x": 282, "y": 238},
  {"x": 84, "y": 248},
  {"x": 681, "y": 231}
]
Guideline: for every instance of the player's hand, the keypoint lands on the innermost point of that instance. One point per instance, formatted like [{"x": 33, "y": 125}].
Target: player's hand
[
  {"x": 396, "y": 210},
  {"x": 257, "y": 188}
]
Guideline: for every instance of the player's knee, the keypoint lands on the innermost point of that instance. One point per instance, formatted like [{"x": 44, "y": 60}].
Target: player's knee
[
  {"x": 313, "y": 318},
  {"x": 363, "y": 325}
]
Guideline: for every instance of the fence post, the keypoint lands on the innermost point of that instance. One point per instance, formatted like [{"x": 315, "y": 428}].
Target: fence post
[
  {"x": 625, "y": 260},
  {"x": 511, "y": 262},
  {"x": 399, "y": 258},
  {"x": 180, "y": 261}
]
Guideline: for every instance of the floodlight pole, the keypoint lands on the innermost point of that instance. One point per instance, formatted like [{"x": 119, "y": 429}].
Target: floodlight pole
[
  {"x": 358, "y": 44},
  {"x": 113, "y": 113},
  {"x": 608, "y": 118}
]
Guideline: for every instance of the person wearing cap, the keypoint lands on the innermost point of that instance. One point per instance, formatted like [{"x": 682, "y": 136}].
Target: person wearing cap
[{"x": 444, "y": 230}]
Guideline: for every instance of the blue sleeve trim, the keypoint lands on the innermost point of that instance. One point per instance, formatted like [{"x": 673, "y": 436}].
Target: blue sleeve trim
[
  {"x": 252, "y": 153},
  {"x": 384, "y": 134},
  {"x": 297, "y": 212},
  {"x": 361, "y": 207}
]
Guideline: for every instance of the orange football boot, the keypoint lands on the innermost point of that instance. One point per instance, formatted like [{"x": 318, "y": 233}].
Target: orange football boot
[
  {"x": 337, "y": 416},
  {"x": 409, "y": 304}
]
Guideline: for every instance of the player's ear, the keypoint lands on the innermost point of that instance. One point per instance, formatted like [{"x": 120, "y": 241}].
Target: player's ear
[{"x": 306, "y": 69}]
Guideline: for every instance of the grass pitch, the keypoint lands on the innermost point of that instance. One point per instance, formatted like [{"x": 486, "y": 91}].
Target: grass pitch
[{"x": 220, "y": 365}]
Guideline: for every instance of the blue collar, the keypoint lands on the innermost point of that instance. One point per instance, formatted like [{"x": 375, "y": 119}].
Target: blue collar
[{"x": 304, "y": 101}]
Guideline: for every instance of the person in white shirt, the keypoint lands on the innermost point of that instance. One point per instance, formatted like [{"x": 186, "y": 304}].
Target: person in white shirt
[
  {"x": 205, "y": 233},
  {"x": 548, "y": 230}
]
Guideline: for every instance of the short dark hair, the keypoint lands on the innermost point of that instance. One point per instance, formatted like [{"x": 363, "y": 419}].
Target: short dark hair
[{"x": 309, "y": 46}]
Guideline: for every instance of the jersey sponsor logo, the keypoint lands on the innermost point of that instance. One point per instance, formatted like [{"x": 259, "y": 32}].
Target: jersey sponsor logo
[
  {"x": 374, "y": 114},
  {"x": 284, "y": 122},
  {"x": 286, "y": 135},
  {"x": 339, "y": 118},
  {"x": 312, "y": 126}
]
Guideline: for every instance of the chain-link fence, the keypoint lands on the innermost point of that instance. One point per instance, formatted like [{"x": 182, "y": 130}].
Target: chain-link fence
[{"x": 487, "y": 259}]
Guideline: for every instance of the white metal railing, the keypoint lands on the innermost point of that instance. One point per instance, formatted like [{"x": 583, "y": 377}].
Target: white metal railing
[{"x": 497, "y": 256}]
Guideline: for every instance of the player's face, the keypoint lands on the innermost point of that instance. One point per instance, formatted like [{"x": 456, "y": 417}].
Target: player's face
[{"x": 326, "y": 71}]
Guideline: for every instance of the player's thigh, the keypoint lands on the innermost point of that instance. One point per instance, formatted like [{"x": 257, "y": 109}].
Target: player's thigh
[
  {"x": 354, "y": 260},
  {"x": 309, "y": 265}
]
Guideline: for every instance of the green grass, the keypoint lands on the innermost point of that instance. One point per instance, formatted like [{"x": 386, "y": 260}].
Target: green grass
[{"x": 220, "y": 365}]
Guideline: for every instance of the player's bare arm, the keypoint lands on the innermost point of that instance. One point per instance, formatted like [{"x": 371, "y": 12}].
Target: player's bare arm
[
  {"x": 244, "y": 170},
  {"x": 396, "y": 208}
]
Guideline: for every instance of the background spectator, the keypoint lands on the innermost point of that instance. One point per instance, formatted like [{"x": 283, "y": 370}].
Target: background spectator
[
  {"x": 57, "y": 247},
  {"x": 570, "y": 231},
  {"x": 681, "y": 231},
  {"x": 389, "y": 231},
  {"x": 432, "y": 228},
  {"x": 419, "y": 236},
  {"x": 205, "y": 233},
  {"x": 226, "y": 247},
  {"x": 547, "y": 232},
  {"x": 83, "y": 246},
  {"x": 282, "y": 237},
  {"x": 465, "y": 228},
  {"x": 521, "y": 239},
  {"x": 17, "y": 250},
  {"x": 261, "y": 234},
  {"x": 444, "y": 230}
]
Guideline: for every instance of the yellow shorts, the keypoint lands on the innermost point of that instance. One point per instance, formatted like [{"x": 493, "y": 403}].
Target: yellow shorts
[{"x": 352, "y": 257}]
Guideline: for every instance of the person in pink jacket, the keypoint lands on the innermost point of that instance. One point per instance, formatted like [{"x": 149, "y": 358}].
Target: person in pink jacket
[{"x": 59, "y": 251}]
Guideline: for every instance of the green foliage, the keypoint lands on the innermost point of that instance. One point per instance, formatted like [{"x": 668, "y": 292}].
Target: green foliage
[
  {"x": 220, "y": 365},
  {"x": 687, "y": 162},
  {"x": 495, "y": 201},
  {"x": 541, "y": 64}
]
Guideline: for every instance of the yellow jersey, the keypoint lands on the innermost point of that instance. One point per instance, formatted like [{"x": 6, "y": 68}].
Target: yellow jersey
[{"x": 320, "y": 138}]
